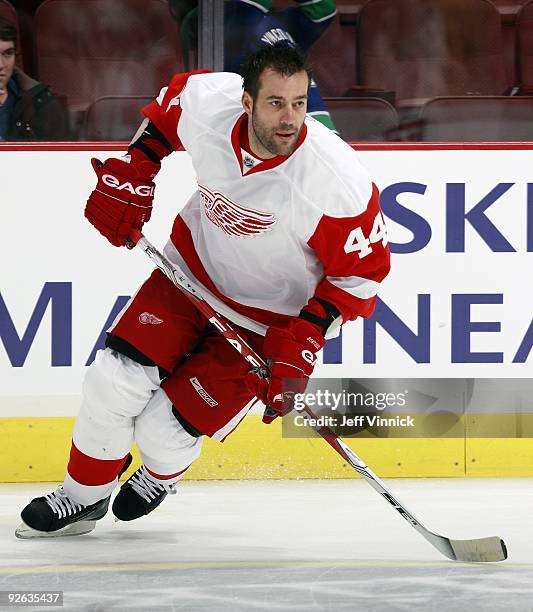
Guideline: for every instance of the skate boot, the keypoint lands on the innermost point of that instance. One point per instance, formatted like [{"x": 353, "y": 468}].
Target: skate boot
[
  {"x": 139, "y": 495},
  {"x": 55, "y": 514}
]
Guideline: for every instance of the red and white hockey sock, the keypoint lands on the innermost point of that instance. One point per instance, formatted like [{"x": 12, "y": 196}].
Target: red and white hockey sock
[
  {"x": 88, "y": 480},
  {"x": 167, "y": 479}
]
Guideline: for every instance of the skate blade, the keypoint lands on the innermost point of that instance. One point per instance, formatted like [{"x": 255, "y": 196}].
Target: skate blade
[{"x": 81, "y": 527}]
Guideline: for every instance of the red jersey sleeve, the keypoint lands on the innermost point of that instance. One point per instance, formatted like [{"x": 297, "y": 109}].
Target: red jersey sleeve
[
  {"x": 165, "y": 111},
  {"x": 356, "y": 258}
]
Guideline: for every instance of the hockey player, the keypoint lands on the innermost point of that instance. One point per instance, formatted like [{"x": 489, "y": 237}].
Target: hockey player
[{"x": 284, "y": 236}]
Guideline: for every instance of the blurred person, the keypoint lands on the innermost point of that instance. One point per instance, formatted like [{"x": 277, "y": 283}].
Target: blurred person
[
  {"x": 249, "y": 24},
  {"x": 28, "y": 110}
]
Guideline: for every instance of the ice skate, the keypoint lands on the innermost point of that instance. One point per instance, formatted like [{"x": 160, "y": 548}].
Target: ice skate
[
  {"x": 55, "y": 515},
  {"x": 139, "y": 495}
]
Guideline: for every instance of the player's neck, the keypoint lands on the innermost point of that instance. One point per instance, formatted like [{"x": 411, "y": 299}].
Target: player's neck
[{"x": 250, "y": 143}]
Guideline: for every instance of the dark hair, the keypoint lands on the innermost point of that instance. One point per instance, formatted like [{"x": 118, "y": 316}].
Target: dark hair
[
  {"x": 8, "y": 31},
  {"x": 282, "y": 57}
]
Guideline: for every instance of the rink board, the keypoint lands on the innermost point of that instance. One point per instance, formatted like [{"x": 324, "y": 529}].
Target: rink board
[
  {"x": 37, "y": 450},
  {"x": 460, "y": 282}
]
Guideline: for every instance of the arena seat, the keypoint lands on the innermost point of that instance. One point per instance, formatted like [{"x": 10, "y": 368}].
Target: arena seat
[
  {"x": 362, "y": 119},
  {"x": 87, "y": 49},
  {"x": 333, "y": 60},
  {"x": 114, "y": 117},
  {"x": 8, "y": 11},
  {"x": 484, "y": 118},
  {"x": 422, "y": 49},
  {"x": 357, "y": 119}
]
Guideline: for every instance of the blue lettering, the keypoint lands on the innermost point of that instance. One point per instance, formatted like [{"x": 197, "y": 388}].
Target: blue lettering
[
  {"x": 530, "y": 217},
  {"x": 59, "y": 295},
  {"x": 462, "y": 327},
  {"x": 456, "y": 217},
  {"x": 333, "y": 350},
  {"x": 525, "y": 346},
  {"x": 404, "y": 216},
  {"x": 417, "y": 345}
]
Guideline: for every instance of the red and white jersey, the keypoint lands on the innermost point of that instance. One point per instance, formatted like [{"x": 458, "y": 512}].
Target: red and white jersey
[{"x": 264, "y": 236}]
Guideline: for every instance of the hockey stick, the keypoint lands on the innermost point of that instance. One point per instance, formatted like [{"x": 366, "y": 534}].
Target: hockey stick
[{"x": 481, "y": 549}]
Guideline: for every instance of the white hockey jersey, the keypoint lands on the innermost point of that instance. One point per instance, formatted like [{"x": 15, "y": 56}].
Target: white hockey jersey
[{"x": 263, "y": 237}]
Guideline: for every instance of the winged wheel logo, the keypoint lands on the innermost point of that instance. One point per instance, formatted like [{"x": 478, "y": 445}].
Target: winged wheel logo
[{"x": 234, "y": 219}]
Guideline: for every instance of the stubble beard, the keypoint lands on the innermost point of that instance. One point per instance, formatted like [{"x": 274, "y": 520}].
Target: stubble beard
[{"x": 266, "y": 138}]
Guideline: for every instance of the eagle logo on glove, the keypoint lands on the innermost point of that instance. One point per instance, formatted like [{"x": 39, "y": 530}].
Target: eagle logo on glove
[{"x": 233, "y": 219}]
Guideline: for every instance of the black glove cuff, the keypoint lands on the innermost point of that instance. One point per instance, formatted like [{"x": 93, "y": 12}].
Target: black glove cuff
[
  {"x": 151, "y": 133},
  {"x": 332, "y": 314}
]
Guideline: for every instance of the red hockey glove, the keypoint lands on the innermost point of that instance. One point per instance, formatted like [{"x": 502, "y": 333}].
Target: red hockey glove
[
  {"x": 292, "y": 350},
  {"x": 122, "y": 198}
]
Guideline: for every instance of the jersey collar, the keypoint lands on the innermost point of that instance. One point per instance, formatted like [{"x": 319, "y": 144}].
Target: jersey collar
[{"x": 248, "y": 163}]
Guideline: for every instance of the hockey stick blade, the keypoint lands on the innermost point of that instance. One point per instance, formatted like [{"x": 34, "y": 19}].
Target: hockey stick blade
[
  {"x": 482, "y": 549},
  {"x": 478, "y": 550}
]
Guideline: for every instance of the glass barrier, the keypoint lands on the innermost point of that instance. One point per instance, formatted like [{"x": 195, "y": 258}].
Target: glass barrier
[
  {"x": 384, "y": 70},
  {"x": 83, "y": 69},
  {"x": 405, "y": 70}
]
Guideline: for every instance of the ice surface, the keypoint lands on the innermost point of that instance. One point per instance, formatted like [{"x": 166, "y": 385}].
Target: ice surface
[{"x": 284, "y": 545}]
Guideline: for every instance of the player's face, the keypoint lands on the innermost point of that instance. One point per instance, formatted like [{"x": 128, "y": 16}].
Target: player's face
[
  {"x": 7, "y": 63},
  {"x": 277, "y": 115}
]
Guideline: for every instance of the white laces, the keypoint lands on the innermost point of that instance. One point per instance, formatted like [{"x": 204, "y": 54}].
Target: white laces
[
  {"x": 61, "y": 504},
  {"x": 144, "y": 485}
]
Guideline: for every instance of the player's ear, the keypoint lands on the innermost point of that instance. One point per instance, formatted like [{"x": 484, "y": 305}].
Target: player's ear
[{"x": 247, "y": 102}]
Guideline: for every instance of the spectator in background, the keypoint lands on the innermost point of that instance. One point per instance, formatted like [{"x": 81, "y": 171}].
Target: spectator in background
[
  {"x": 248, "y": 24},
  {"x": 28, "y": 110}
]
